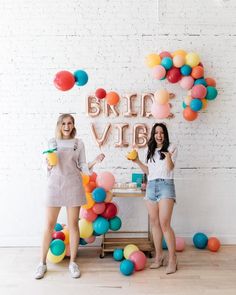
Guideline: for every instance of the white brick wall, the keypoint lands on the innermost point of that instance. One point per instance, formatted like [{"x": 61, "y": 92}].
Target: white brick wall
[{"x": 110, "y": 40}]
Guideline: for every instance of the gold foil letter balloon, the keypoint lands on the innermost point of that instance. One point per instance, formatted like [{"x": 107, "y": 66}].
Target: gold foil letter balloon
[
  {"x": 121, "y": 127},
  {"x": 139, "y": 135},
  {"x": 100, "y": 140},
  {"x": 144, "y": 102},
  {"x": 92, "y": 106},
  {"x": 130, "y": 98}
]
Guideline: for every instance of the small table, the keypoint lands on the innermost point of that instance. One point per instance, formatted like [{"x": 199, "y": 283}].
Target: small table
[{"x": 144, "y": 244}]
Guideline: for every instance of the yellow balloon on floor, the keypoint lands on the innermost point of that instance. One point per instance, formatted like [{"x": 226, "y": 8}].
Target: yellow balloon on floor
[
  {"x": 53, "y": 258},
  {"x": 90, "y": 201},
  {"x": 129, "y": 249},
  {"x": 85, "y": 228}
]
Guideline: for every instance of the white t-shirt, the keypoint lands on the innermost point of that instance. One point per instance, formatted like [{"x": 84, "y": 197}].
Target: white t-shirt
[{"x": 158, "y": 169}]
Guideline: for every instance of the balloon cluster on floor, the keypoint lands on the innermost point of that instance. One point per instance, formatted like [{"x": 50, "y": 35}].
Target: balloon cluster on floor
[
  {"x": 187, "y": 69},
  {"x": 201, "y": 241},
  {"x": 111, "y": 97},
  {"x": 65, "y": 80},
  {"x": 97, "y": 216},
  {"x": 132, "y": 259}
]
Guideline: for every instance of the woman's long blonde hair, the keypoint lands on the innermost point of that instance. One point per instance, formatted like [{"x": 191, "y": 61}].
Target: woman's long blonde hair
[{"x": 59, "y": 125}]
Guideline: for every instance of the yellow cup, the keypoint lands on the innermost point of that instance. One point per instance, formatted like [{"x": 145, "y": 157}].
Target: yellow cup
[{"x": 52, "y": 159}]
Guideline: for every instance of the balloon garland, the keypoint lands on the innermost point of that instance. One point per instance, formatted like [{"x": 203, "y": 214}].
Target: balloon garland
[{"x": 187, "y": 69}]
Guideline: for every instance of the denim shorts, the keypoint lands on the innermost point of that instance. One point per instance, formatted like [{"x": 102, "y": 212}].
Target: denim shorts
[{"x": 158, "y": 189}]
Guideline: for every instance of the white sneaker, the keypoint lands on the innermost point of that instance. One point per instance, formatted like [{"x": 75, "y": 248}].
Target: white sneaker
[
  {"x": 74, "y": 270},
  {"x": 40, "y": 271}
]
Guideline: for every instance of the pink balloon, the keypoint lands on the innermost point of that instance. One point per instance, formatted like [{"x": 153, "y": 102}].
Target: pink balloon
[
  {"x": 160, "y": 111},
  {"x": 88, "y": 214},
  {"x": 186, "y": 82},
  {"x": 165, "y": 54},
  {"x": 105, "y": 180},
  {"x": 179, "y": 244},
  {"x": 90, "y": 240},
  {"x": 198, "y": 91},
  {"x": 99, "y": 208},
  {"x": 159, "y": 72},
  {"x": 139, "y": 259}
]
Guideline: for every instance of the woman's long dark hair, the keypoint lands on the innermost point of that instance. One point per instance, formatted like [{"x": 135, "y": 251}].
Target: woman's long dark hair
[{"x": 152, "y": 145}]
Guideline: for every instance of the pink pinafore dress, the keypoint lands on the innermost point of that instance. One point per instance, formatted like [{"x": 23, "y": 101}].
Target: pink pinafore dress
[{"x": 65, "y": 187}]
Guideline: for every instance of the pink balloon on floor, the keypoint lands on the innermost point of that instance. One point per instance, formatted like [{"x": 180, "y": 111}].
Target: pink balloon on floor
[
  {"x": 160, "y": 111},
  {"x": 139, "y": 259},
  {"x": 179, "y": 244}
]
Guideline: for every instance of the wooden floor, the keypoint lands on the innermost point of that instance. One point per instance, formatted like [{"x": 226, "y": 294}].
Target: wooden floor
[{"x": 200, "y": 272}]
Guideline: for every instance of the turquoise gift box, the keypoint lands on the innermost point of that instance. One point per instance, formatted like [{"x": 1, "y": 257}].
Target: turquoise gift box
[{"x": 138, "y": 178}]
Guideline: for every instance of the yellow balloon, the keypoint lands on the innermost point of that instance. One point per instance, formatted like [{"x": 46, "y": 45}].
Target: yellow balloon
[
  {"x": 85, "y": 179},
  {"x": 204, "y": 103},
  {"x": 55, "y": 259},
  {"x": 153, "y": 60},
  {"x": 161, "y": 96},
  {"x": 181, "y": 52},
  {"x": 90, "y": 201},
  {"x": 85, "y": 228},
  {"x": 129, "y": 249},
  {"x": 67, "y": 236},
  {"x": 192, "y": 59}
]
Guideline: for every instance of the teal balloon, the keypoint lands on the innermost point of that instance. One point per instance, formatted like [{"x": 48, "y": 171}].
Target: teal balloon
[
  {"x": 100, "y": 225},
  {"x": 99, "y": 194},
  {"x": 167, "y": 63},
  {"x": 184, "y": 105},
  {"x": 196, "y": 104},
  {"x": 118, "y": 254},
  {"x": 81, "y": 77},
  {"x": 201, "y": 81},
  {"x": 127, "y": 267},
  {"x": 82, "y": 242},
  {"x": 185, "y": 70},
  {"x": 200, "y": 240},
  {"x": 115, "y": 223},
  {"x": 164, "y": 245},
  {"x": 57, "y": 247},
  {"x": 58, "y": 227},
  {"x": 211, "y": 93}
]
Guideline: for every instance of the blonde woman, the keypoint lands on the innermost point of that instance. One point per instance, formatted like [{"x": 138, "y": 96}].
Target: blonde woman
[{"x": 65, "y": 188}]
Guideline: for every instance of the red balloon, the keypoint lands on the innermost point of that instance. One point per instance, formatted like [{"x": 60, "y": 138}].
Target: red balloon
[
  {"x": 110, "y": 211},
  {"x": 64, "y": 80},
  {"x": 173, "y": 75},
  {"x": 100, "y": 93},
  {"x": 58, "y": 235}
]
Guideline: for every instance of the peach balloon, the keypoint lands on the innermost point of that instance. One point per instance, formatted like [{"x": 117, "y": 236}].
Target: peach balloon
[
  {"x": 178, "y": 61},
  {"x": 159, "y": 72},
  {"x": 161, "y": 96},
  {"x": 105, "y": 180},
  {"x": 181, "y": 52}
]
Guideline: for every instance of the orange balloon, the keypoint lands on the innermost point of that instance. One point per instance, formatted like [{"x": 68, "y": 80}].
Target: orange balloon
[
  {"x": 197, "y": 72},
  {"x": 210, "y": 82},
  {"x": 189, "y": 114},
  {"x": 85, "y": 179},
  {"x": 90, "y": 186},
  {"x": 90, "y": 201},
  {"x": 204, "y": 103},
  {"x": 93, "y": 177},
  {"x": 213, "y": 244},
  {"x": 112, "y": 98}
]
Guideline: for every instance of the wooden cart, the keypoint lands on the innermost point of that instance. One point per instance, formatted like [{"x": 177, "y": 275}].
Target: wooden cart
[{"x": 145, "y": 244}]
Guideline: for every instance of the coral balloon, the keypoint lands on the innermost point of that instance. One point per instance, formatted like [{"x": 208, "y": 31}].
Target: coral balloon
[
  {"x": 161, "y": 96},
  {"x": 189, "y": 114},
  {"x": 153, "y": 60},
  {"x": 213, "y": 244},
  {"x": 210, "y": 82},
  {"x": 100, "y": 93},
  {"x": 88, "y": 214},
  {"x": 198, "y": 91},
  {"x": 99, "y": 208},
  {"x": 179, "y": 244},
  {"x": 139, "y": 259},
  {"x": 197, "y": 72},
  {"x": 165, "y": 54},
  {"x": 64, "y": 80},
  {"x": 160, "y": 111},
  {"x": 112, "y": 98},
  {"x": 173, "y": 75},
  {"x": 105, "y": 180}
]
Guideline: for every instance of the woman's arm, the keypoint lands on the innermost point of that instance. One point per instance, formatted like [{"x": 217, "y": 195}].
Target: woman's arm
[
  {"x": 142, "y": 166},
  {"x": 97, "y": 160}
]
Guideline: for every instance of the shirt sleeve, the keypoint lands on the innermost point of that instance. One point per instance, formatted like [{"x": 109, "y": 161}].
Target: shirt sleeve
[{"x": 82, "y": 164}]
